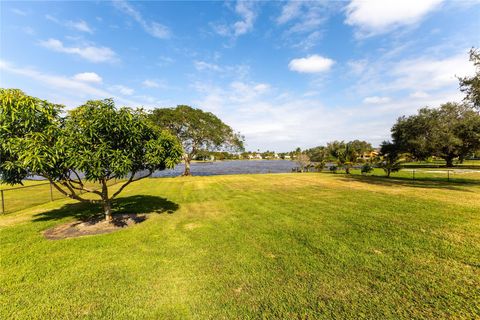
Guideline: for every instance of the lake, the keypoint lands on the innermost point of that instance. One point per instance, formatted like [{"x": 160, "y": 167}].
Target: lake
[{"x": 230, "y": 167}]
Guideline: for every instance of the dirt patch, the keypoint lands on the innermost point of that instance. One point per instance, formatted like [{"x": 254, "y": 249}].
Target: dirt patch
[{"x": 92, "y": 226}]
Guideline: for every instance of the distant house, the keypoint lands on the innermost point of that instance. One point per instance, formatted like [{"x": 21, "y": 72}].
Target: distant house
[
  {"x": 255, "y": 156},
  {"x": 287, "y": 157},
  {"x": 369, "y": 155}
]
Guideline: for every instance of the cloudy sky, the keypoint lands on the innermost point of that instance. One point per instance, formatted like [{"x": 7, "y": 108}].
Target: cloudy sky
[{"x": 285, "y": 74}]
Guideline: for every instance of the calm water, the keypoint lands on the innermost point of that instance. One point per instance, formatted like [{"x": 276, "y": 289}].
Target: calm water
[{"x": 230, "y": 167}]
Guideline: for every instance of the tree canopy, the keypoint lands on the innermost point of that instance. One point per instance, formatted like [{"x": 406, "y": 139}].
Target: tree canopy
[
  {"x": 471, "y": 85},
  {"x": 197, "y": 130},
  {"x": 451, "y": 131},
  {"x": 22, "y": 118},
  {"x": 390, "y": 155},
  {"x": 94, "y": 142}
]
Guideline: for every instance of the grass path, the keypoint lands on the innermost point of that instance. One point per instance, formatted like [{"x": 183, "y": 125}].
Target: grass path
[{"x": 253, "y": 246}]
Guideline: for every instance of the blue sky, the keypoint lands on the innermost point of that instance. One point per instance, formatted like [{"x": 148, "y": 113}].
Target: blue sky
[{"x": 284, "y": 74}]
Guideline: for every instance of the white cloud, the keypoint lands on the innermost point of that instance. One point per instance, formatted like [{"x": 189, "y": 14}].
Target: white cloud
[
  {"x": 29, "y": 30},
  {"x": 153, "y": 28},
  {"x": 311, "y": 64},
  {"x": 88, "y": 77},
  {"x": 19, "y": 12},
  {"x": 290, "y": 11},
  {"x": 79, "y": 25},
  {"x": 159, "y": 84},
  {"x": 376, "y": 100},
  {"x": 427, "y": 73},
  {"x": 380, "y": 16},
  {"x": 261, "y": 87},
  {"x": 202, "y": 65},
  {"x": 52, "y": 18},
  {"x": 247, "y": 14},
  {"x": 357, "y": 67},
  {"x": 90, "y": 53},
  {"x": 309, "y": 41},
  {"x": 164, "y": 61},
  {"x": 71, "y": 91},
  {"x": 434, "y": 70},
  {"x": 150, "y": 84},
  {"x": 303, "y": 21},
  {"x": 419, "y": 94},
  {"x": 123, "y": 90},
  {"x": 221, "y": 71}
]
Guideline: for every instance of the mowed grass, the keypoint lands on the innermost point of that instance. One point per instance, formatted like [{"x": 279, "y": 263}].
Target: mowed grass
[{"x": 254, "y": 246}]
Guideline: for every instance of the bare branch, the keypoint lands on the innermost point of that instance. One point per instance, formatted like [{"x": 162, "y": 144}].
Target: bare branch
[
  {"x": 130, "y": 181},
  {"x": 78, "y": 177},
  {"x": 72, "y": 195},
  {"x": 83, "y": 188}
]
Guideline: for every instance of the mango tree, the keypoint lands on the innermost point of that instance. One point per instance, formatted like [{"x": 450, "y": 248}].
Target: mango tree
[{"x": 95, "y": 142}]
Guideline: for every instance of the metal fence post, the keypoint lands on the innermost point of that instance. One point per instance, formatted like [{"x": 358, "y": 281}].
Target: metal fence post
[
  {"x": 448, "y": 175},
  {"x": 51, "y": 192},
  {"x": 413, "y": 174},
  {"x": 3, "y": 202}
]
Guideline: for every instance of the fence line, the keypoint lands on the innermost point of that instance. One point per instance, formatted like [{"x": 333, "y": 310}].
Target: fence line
[{"x": 18, "y": 198}]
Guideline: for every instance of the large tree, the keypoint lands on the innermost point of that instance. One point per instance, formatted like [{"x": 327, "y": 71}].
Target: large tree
[
  {"x": 471, "y": 85},
  {"x": 197, "y": 130},
  {"x": 448, "y": 132},
  {"x": 317, "y": 154},
  {"x": 95, "y": 142},
  {"x": 390, "y": 157}
]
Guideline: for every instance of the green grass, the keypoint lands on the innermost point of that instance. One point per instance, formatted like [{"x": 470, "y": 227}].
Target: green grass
[{"x": 251, "y": 246}]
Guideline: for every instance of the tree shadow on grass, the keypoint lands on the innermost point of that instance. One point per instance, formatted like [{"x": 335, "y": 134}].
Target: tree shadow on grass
[
  {"x": 136, "y": 205},
  {"x": 428, "y": 183}
]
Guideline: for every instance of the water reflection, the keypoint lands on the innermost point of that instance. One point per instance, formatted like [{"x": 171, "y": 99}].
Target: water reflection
[{"x": 230, "y": 167}]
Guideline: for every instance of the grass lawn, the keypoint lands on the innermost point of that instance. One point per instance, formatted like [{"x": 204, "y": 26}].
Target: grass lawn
[{"x": 251, "y": 246}]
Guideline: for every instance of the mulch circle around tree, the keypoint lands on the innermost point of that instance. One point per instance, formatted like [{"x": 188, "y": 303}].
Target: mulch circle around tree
[{"x": 93, "y": 226}]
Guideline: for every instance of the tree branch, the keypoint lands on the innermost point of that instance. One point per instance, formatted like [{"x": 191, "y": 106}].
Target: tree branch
[
  {"x": 72, "y": 195},
  {"x": 82, "y": 188},
  {"x": 78, "y": 177},
  {"x": 130, "y": 180}
]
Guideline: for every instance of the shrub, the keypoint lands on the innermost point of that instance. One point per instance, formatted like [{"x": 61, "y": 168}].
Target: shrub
[{"x": 367, "y": 168}]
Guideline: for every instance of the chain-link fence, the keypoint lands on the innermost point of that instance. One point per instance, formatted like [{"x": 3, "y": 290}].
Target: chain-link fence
[
  {"x": 34, "y": 193},
  {"x": 437, "y": 175},
  {"x": 445, "y": 175}
]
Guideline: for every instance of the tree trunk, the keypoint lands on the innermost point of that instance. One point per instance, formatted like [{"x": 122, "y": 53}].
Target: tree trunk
[
  {"x": 106, "y": 204},
  {"x": 347, "y": 170},
  {"x": 187, "y": 167},
  {"x": 388, "y": 173},
  {"x": 107, "y": 209},
  {"x": 449, "y": 161}
]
